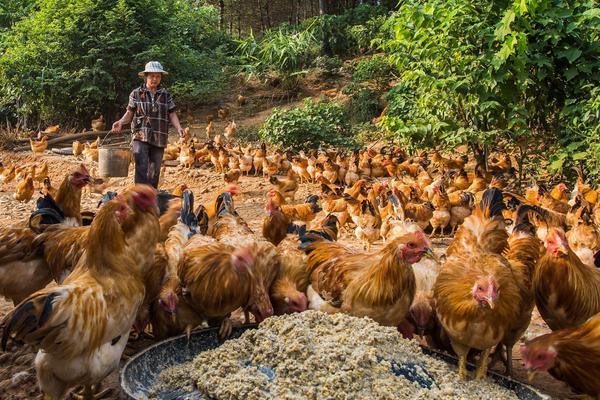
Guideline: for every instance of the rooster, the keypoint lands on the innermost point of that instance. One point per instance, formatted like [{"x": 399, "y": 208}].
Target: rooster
[
  {"x": 234, "y": 274},
  {"x": 378, "y": 285},
  {"x": 571, "y": 355},
  {"x": 82, "y": 326},
  {"x": 482, "y": 297}
]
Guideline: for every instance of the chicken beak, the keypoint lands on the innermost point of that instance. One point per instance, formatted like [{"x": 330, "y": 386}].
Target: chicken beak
[
  {"x": 531, "y": 374},
  {"x": 173, "y": 318},
  {"x": 562, "y": 249},
  {"x": 428, "y": 251},
  {"x": 490, "y": 302}
]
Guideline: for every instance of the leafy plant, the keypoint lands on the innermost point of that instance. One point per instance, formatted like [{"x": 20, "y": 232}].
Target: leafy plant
[
  {"x": 328, "y": 66},
  {"x": 376, "y": 69},
  {"x": 315, "y": 124},
  {"x": 482, "y": 72}
]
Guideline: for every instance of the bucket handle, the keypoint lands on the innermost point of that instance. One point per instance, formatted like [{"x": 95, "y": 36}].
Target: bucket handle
[{"x": 102, "y": 141}]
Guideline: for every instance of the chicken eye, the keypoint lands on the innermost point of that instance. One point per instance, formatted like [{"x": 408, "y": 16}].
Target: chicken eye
[
  {"x": 479, "y": 289},
  {"x": 411, "y": 245}
]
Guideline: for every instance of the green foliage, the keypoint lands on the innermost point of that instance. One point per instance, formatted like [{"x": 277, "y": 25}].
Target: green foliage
[
  {"x": 315, "y": 124},
  {"x": 69, "y": 60},
  {"x": 247, "y": 134},
  {"x": 376, "y": 69},
  {"x": 478, "y": 72},
  {"x": 349, "y": 33},
  {"x": 328, "y": 66},
  {"x": 364, "y": 103}
]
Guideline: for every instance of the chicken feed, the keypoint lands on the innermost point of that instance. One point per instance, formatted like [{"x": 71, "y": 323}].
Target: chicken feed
[{"x": 313, "y": 355}]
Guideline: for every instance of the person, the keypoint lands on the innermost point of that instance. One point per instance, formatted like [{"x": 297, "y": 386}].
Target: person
[{"x": 150, "y": 110}]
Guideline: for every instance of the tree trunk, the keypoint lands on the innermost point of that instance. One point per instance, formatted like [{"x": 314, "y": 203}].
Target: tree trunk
[
  {"x": 260, "y": 13},
  {"x": 268, "y": 14},
  {"x": 222, "y": 14},
  {"x": 322, "y": 7}
]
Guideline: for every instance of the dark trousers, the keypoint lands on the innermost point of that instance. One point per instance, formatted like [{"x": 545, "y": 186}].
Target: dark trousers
[{"x": 147, "y": 162}]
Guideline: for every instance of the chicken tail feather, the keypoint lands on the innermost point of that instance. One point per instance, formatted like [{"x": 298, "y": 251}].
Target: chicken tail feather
[
  {"x": 491, "y": 204},
  {"x": 27, "y": 317},
  {"x": 187, "y": 215}
]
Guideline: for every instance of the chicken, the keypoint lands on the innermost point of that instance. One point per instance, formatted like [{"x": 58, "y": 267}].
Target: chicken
[
  {"x": 39, "y": 146},
  {"x": 368, "y": 224},
  {"x": 441, "y": 214},
  {"x": 378, "y": 285},
  {"x": 210, "y": 130},
  {"x": 8, "y": 174},
  {"x": 82, "y": 326},
  {"x": 42, "y": 173},
  {"x": 461, "y": 209},
  {"x": 567, "y": 291},
  {"x": 482, "y": 297},
  {"x": 259, "y": 158},
  {"x": 299, "y": 166},
  {"x": 52, "y": 129},
  {"x": 288, "y": 290},
  {"x": 24, "y": 190},
  {"x": 222, "y": 112},
  {"x": 90, "y": 153},
  {"x": 275, "y": 224},
  {"x": 287, "y": 187},
  {"x": 234, "y": 274},
  {"x": 570, "y": 355},
  {"x": 232, "y": 176},
  {"x": 230, "y": 131},
  {"x": 48, "y": 189},
  {"x": 186, "y": 155},
  {"x": 584, "y": 237},
  {"x": 98, "y": 124},
  {"x": 305, "y": 212}
]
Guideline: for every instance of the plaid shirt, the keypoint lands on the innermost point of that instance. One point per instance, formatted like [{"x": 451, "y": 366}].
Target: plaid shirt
[{"x": 151, "y": 114}]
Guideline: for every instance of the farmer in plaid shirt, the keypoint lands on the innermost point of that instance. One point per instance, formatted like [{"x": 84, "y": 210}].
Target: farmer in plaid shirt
[{"x": 150, "y": 110}]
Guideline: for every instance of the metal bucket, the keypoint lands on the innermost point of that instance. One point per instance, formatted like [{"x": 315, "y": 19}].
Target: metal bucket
[{"x": 113, "y": 161}]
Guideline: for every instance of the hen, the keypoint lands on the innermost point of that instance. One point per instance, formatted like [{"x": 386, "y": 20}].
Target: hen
[
  {"x": 570, "y": 355},
  {"x": 82, "y": 326},
  {"x": 481, "y": 296},
  {"x": 378, "y": 285},
  {"x": 567, "y": 291}
]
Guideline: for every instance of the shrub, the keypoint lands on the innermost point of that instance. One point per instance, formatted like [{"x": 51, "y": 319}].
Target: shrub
[
  {"x": 376, "y": 69},
  {"x": 315, "y": 124},
  {"x": 364, "y": 105},
  {"x": 327, "y": 66}
]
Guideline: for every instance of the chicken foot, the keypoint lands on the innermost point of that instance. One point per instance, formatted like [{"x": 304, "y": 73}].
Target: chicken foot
[
  {"x": 462, "y": 352},
  {"x": 92, "y": 392}
]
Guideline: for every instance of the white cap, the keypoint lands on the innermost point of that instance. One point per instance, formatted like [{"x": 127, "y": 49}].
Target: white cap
[{"x": 153, "y": 66}]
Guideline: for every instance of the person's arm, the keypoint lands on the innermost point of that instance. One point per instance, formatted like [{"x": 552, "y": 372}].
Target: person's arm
[
  {"x": 175, "y": 121},
  {"x": 125, "y": 119}
]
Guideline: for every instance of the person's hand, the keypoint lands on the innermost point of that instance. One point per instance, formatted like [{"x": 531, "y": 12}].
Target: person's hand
[
  {"x": 117, "y": 126},
  {"x": 181, "y": 132}
]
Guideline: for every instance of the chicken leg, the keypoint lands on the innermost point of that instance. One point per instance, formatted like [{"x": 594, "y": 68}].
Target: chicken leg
[
  {"x": 92, "y": 392},
  {"x": 483, "y": 364},
  {"x": 462, "y": 352}
]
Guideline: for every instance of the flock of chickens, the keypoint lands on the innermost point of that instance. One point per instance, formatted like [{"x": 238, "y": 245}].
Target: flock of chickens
[{"x": 162, "y": 265}]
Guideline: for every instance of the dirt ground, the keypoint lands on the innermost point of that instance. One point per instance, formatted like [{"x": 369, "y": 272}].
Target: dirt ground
[{"x": 17, "y": 375}]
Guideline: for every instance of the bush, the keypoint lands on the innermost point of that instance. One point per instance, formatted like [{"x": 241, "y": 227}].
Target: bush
[
  {"x": 376, "y": 69},
  {"x": 364, "y": 105},
  {"x": 68, "y": 60},
  {"x": 314, "y": 125},
  {"x": 327, "y": 66}
]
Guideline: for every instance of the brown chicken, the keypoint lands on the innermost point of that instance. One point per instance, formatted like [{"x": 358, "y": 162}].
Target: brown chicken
[
  {"x": 479, "y": 294},
  {"x": 288, "y": 289},
  {"x": 570, "y": 355},
  {"x": 567, "y": 291},
  {"x": 287, "y": 187},
  {"x": 98, "y": 124},
  {"x": 368, "y": 224},
  {"x": 91, "y": 313},
  {"x": 24, "y": 190},
  {"x": 378, "y": 285},
  {"x": 230, "y": 131},
  {"x": 235, "y": 273},
  {"x": 232, "y": 176},
  {"x": 275, "y": 224},
  {"x": 39, "y": 146},
  {"x": 441, "y": 214},
  {"x": 305, "y": 212}
]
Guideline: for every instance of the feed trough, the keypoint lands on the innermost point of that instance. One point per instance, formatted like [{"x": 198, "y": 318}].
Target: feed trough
[{"x": 141, "y": 372}]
